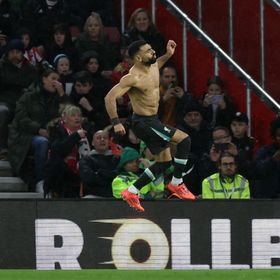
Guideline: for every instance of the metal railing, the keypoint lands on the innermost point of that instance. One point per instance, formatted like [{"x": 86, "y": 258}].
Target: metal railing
[
  {"x": 275, "y": 4},
  {"x": 219, "y": 54},
  {"x": 251, "y": 84}
]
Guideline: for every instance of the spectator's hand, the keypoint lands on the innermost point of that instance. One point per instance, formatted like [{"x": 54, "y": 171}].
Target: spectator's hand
[
  {"x": 85, "y": 104},
  {"x": 146, "y": 163},
  {"x": 276, "y": 155},
  {"x": 168, "y": 94},
  {"x": 222, "y": 104},
  {"x": 43, "y": 132},
  {"x": 59, "y": 88},
  {"x": 214, "y": 154},
  {"x": 119, "y": 129},
  {"x": 207, "y": 100},
  {"x": 179, "y": 92},
  {"x": 82, "y": 133},
  {"x": 232, "y": 149}
]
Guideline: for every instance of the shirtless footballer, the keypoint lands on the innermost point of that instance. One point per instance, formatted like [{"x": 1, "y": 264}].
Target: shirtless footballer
[{"x": 142, "y": 85}]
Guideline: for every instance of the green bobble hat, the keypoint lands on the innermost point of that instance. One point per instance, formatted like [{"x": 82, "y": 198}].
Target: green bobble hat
[{"x": 127, "y": 155}]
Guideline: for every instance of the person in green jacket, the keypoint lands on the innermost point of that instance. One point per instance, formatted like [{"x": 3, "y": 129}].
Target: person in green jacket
[
  {"x": 227, "y": 183},
  {"x": 129, "y": 172},
  {"x": 40, "y": 103}
]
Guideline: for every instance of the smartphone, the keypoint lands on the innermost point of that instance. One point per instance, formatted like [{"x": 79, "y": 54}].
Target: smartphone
[
  {"x": 216, "y": 99},
  {"x": 173, "y": 84}
]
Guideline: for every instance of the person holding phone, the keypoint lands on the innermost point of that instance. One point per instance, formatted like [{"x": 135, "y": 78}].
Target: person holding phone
[
  {"x": 218, "y": 108},
  {"x": 173, "y": 98},
  {"x": 221, "y": 142}
]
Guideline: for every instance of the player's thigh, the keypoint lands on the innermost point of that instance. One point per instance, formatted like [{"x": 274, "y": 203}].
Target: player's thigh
[
  {"x": 164, "y": 155},
  {"x": 178, "y": 136}
]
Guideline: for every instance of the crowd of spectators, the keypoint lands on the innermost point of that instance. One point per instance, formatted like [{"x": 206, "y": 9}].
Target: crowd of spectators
[{"x": 58, "y": 63}]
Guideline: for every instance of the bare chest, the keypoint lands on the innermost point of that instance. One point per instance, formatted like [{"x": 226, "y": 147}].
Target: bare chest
[{"x": 147, "y": 83}]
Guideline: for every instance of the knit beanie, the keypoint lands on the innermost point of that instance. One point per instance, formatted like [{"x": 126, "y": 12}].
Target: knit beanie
[
  {"x": 15, "y": 44},
  {"x": 57, "y": 58},
  {"x": 193, "y": 106},
  {"x": 127, "y": 155}
]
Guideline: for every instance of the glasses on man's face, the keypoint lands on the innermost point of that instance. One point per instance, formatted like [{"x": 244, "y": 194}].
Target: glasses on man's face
[{"x": 230, "y": 164}]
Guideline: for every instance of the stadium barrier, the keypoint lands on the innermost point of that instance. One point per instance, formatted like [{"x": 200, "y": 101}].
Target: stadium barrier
[{"x": 173, "y": 234}]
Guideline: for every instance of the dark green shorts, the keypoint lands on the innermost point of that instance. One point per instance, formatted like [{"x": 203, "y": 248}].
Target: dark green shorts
[{"x": 155, "y": 134}]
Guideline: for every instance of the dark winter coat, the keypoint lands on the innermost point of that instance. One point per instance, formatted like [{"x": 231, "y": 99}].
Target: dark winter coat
[
  {"x": 98, "y": 115},
  {"x": 201, "y": 139},
  {"x": 267, "y": 171},
  {"x": 97, "y": 172},
  {"x": 59, "y": 178},
  {"x": 33, "y": 111},
  {"x": 13, "y": 80},
  {"x": 8, "y": 19},
  {"x": 108, "y": 55},
  {"x": 223, "y": 116},
  {"x": 38, "y": 18},
  {"x": 52, "y": 50}
]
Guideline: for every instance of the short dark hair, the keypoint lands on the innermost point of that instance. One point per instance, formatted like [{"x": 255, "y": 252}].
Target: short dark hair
[
  {"x": 47, "y": 71},
  {"x": 167, "y": 65},
  {"x": 134, "y": 47},
  {"x": 220, "y": 127},
  {"x": 83, "y": 77},
  {"x": 216, "y": 80}
]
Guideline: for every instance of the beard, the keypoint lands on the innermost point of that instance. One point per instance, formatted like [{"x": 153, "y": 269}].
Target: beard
[{"x": 150, "y": 61}]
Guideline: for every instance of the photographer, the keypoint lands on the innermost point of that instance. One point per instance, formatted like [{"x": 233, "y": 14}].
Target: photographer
[
  {"x": 218, "y": 108},
  {"x": 172, "y": 97},
  {"x": 221, "y": 143},
  {"x": 207, "y": 165}
]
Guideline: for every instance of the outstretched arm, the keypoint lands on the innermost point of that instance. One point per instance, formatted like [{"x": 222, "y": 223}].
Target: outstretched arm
[
  {"x": 111, "y": 100},
  {"x": 170, "y": 49}
]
